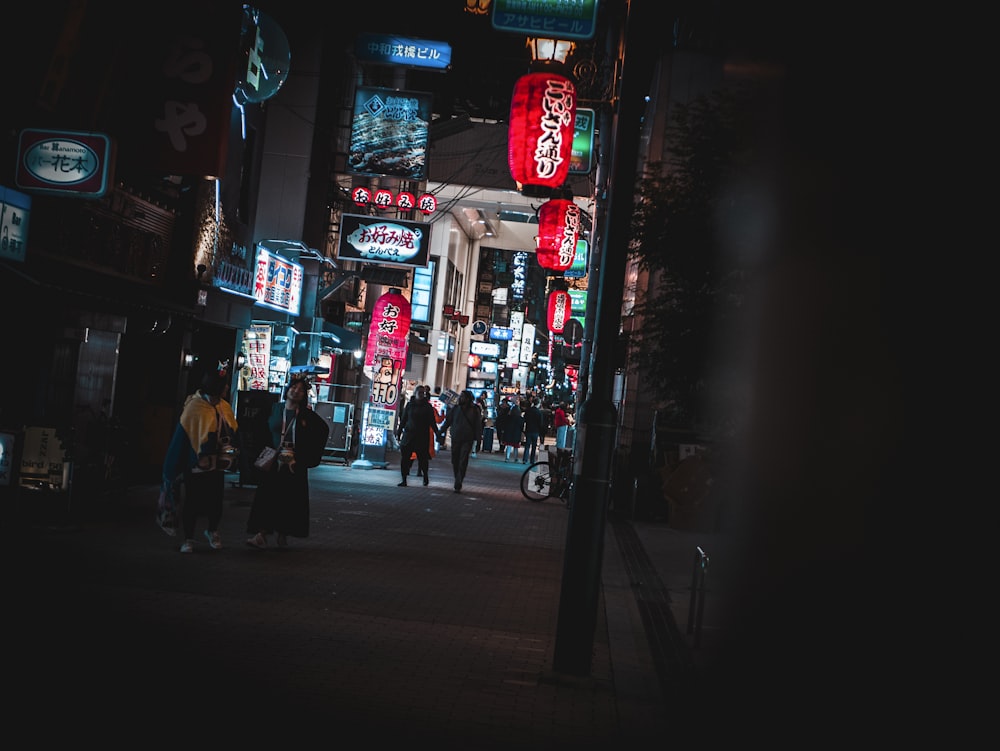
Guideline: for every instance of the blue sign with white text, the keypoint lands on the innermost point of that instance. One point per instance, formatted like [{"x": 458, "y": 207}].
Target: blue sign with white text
[{"x": 395, "y": 50}]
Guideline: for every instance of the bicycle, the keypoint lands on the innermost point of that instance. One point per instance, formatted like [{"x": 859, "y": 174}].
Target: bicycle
[{"x": 545, "y": 479}]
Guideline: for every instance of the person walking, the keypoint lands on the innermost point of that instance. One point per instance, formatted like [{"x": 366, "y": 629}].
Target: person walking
[
  {"x": 465, "y": 422},
  {"x": 281, "y": 502},
  {"x": 561, "y": 423},
  {"x": 500, "y": 421},
  {"x": 533, "y": 427},
  {"x": 206, "y": 423},
  {"x": 435, "y": 443},
  {"x": 481, "y": 403},
  {"x": 417, "y": 428},
  {"x": 513, "y": 427}
]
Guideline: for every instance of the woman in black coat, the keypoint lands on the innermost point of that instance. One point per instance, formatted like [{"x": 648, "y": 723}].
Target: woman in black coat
[
  {"x": 417, "y": 425},
  {"x": 281, "y": 503}
]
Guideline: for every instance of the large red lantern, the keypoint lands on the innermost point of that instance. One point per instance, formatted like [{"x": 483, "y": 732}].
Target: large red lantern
[
  {"x": 560, "y": 309},
  {"x": 540, "y": 134},
  {"x": 388, "y": 339},
  {"x": 558, "y": 230}
]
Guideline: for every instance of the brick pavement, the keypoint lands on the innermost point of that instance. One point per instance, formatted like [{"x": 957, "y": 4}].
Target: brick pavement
[{"x": 413, "y": 614}]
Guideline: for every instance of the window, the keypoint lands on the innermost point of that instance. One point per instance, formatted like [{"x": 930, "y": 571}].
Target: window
[{"x": 422, "y": 294}]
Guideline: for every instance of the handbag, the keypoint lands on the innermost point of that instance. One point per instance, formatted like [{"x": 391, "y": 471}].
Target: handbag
[
  {"x": 228, "y": 456},
  {"x": 266, "y": 459},
  {"x": 404, "y": 437}
]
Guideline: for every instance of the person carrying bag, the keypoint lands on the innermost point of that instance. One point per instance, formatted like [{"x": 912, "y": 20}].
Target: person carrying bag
[
  {"x": 297, "y": 436},
  {"x": 464, "y": 420}
]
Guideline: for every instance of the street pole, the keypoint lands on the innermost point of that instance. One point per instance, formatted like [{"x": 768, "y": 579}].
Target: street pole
[{"x": 596, "y": 423}]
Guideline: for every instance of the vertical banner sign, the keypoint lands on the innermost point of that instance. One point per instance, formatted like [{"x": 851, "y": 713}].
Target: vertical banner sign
[
  {"x": 183, "y": 72},
  {"x": 385, "y": 361},
  {"x": 257, "y": 341}
]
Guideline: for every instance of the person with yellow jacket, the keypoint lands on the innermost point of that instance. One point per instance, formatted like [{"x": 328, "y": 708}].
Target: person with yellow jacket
[{"x": 206, "y": 426}]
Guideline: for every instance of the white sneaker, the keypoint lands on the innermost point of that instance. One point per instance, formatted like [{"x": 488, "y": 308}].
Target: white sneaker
[
  {"x": 188, "y": 546},
  {"x": 214, "y": 539},
  {"x": 282, "y": 541}
]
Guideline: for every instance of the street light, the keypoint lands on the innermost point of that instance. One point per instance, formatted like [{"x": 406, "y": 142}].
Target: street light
[{"x": 549, "y": 50}]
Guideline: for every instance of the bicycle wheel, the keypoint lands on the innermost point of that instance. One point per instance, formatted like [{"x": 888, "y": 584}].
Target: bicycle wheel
[{"x": 536, "y": 481}]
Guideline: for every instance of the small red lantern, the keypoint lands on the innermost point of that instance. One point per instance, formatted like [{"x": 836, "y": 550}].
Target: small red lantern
[
  {"x": 427, "y": 203},
  {"x": 560, "y": 308},
  {"x": 383, "y": 199},
  {"x": 540, "y": 134},
  {"x": 558, "y": 230},
  {"x": 362, "y": 196}
]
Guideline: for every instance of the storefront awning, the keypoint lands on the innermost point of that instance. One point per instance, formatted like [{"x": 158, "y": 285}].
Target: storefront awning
[
  {"x": 340, "y": 338},
  {"x": 417, "y": 345}
]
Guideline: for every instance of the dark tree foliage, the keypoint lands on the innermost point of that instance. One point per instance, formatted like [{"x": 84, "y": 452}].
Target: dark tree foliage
[{"x": 690, "y": 228}]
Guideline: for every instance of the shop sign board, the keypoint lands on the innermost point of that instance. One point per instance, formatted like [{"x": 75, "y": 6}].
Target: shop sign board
[
  {"x": 6, "y": 457},
  {"x": 387, "y": 49},
  {"x": 579, "y": 268},
  {"x": 390, "y": 133},
  {"x": 581, "y": 159},
  {"x": 15, "y": 210},
  {"x": 277, "y": 282},
  {"x": 43, "y": 460},
  {"x": 552, "y": 18},
  {"x": 397, "y": 242},
  {"x": 485, "y": 349},
  {"x": 64, "y": 162},
  {"x": 257, "y": 344}
]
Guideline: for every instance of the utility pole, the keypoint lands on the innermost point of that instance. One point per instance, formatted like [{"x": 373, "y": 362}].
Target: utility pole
[{"x": 638, "y": 49}]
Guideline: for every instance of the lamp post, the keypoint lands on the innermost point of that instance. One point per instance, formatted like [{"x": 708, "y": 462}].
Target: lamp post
[{"x": 596, "y": 423}]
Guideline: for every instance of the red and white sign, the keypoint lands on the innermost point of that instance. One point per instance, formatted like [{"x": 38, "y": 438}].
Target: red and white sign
[
  {"x": 540, "y": 134},
  {"x": 427, "y": 204},
  {"x": 558, "y": 229},
  {"x": 64, "y": 162},
  {"x": 361, "y": 195},
  {"x": 560, "y": 309}
]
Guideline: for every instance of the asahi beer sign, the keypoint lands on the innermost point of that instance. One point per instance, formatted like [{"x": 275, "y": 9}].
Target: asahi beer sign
[
  {"x": 394, "y": 242},
  {"x": 64, "y": 162}
]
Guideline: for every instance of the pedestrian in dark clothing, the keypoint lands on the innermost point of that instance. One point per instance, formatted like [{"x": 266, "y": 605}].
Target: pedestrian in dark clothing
[
  {"x": 465, "y": 422},
  {"x": 513, "y": 427},
  {"x": 417, "y": 427},
  {"x": 281, "y": 502},
  {"x": 481, "y": 403},
  {"x": 533, "y": 427}
]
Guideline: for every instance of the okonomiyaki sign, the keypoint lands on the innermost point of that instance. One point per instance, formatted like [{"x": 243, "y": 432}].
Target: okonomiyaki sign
[{"x": 370, "y": 239}]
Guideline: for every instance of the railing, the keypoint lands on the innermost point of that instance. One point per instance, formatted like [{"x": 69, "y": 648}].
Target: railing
[{"x": 696, "y": 606}]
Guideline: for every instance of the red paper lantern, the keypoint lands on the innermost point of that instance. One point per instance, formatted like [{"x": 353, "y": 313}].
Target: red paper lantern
[
  {"x": 540, "y": 134},
  {"x": 558, "y": 230},
  {"x": 560, "y": 309}
]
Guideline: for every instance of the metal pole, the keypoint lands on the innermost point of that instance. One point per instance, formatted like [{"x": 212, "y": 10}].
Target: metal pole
[{"x": 578, "y": 603}]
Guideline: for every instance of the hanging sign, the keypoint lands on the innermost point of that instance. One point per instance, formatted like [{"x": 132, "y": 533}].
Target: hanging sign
[
  {"x": 553, "y": 18},
  {"x": 396, "y": 242},
  {"x": 558, "y": 229},
  {"x": 540, "y": 133},
  {"x": 560, "y": 305},
  {"x": 427, "y": 204},
  {"x": 390, "y": 133},
  {"x": 582, "y": 155},
  {"x": 385, "y": 361},
  {"x": 361, "y": 195},
  {"x": 277, "y": 282},
  {"x": 64, "y": 162},
  {"x": 395, "y": 50}
]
